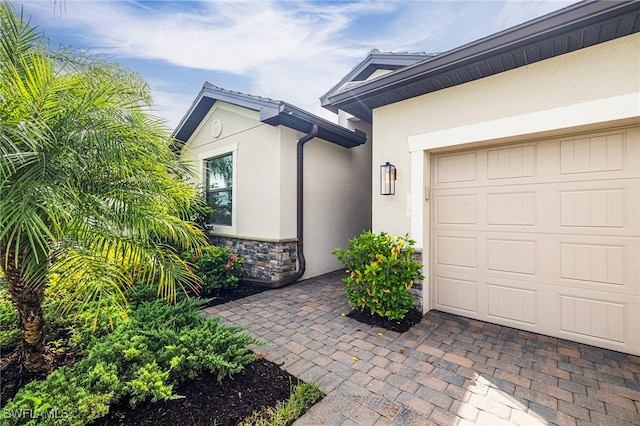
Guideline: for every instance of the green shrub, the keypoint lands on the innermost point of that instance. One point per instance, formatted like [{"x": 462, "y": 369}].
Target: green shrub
[
  {"x": 94, "y": 319},
  {"x": 218, "y": 268},
  {"x": 303, "y": 396},
  {"x": 82, "y": 319},
  {"x": 178, "y": 338},
  {"x": 82, "y": 323},
  {"x": 9, "y": 339},
  {"x": 63, "y": 399},
  {"x": 149, "y": 380},
  {"x": 381, "y": 272},
  {"x": 9, "y": 331},
  {"x": 142, "y": 359}
]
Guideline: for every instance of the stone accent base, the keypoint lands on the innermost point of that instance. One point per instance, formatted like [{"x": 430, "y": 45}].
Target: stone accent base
[
  {"x": 265, "y": 260},
  {"x": 416, "y": 289}
]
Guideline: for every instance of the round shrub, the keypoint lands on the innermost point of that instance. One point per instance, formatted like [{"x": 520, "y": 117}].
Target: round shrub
[
  {"x": 381, "y": 271},
  {"x": 218, "y": 268}
]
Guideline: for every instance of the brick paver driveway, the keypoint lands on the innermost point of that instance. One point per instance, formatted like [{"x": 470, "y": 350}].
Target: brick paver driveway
[{"x": 446, "y": 370}]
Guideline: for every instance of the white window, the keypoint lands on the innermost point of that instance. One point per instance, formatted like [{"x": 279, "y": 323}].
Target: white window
[{"x": 219, "y": 188}]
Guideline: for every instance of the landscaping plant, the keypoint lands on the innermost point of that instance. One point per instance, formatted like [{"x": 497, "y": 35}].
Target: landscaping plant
[
  {"x": 381, "y": 271},
  {"x": 160, "y": 346},
  {"x": 9, "y": 332},
  {"x": 83, "y": 323},
  {"x": 89, "y": 184},
  {"x": 217, "y": 267},
  {"x": 303, "y": 396}
]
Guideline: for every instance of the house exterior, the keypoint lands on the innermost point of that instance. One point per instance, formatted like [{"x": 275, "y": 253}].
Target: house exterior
[
  {"x": 252, "y": 155},
  {"x": 518, "y": 172}
]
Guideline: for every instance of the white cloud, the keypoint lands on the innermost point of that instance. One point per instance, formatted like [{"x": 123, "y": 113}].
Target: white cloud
[
  {"x": 233, "y": 37},
  {"x": 293, "y": 51},
  {"x": 171, "y": 106},
  {"x": 438, "y": 26},
  {"x": 289, "y": 50},
  {"x": 517, "y": 12}
]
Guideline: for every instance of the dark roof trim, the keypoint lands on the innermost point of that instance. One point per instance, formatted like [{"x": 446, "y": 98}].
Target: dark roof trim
[
  {"x": 575, "y": 27},
  {"x": 303, "y": 121},
  {"x": 374, "y": 61},
  {"x": 272, "y": 112}
]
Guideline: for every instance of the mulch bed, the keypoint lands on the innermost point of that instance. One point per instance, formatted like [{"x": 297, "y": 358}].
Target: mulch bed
[
  {"x": 241, "y": 290},
  {"x": 13, "y": 377},
  {"x": 261, "y": 384},
  {"x": 400, "y": 325}
]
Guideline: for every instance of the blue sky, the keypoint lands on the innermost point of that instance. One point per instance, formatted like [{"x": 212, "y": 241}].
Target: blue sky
[{"x": 288, "y": 50}]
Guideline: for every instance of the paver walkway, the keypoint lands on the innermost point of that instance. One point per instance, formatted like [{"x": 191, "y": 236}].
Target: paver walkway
[{"x": 446, "y": 370}]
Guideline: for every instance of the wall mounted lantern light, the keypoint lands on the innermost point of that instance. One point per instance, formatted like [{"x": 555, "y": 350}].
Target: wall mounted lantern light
[{"x": 387, "y": 179}]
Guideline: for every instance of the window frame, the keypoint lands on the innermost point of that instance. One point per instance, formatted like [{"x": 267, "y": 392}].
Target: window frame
[
  {"x": 223, "y": 219},
  {"x": 203, "y": 158}
]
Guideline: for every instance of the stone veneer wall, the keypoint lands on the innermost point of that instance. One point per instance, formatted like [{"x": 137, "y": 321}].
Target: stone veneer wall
[
  {"x": 265, "y": 260},
  {"x": 416, "y": 289}
]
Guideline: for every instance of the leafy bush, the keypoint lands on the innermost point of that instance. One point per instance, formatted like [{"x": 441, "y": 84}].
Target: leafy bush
[
  {"x": 144, "y": 358},
  {"x": 64, "y": 398},
  {"x": 9, "y": 331},
  {"x": 381, "y": 272},
  {"x": 82, "y": 323},
  {"x": 79, "y": 323},
  {"x": 178, "y": 338},
  {"x": 94, "y": 319},
  {"x": 149, "y": 380},
  {"x": 217, "y": 267}
]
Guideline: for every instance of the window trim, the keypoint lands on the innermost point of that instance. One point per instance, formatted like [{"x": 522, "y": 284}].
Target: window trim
[{"x": 218, "y": 152}]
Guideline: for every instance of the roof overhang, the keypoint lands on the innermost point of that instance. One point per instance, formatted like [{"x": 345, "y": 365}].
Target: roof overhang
[
  {"x": 272, "y": 112},
  {"x": 575, "y": 27},
  {"x": 374, "y": 61}
]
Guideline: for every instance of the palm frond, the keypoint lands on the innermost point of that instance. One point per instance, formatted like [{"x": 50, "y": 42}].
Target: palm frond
[{"x": 90, "y": 191}]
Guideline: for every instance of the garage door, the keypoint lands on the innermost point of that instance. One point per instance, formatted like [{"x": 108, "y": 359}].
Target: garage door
[{"x": 542, "y": 236}]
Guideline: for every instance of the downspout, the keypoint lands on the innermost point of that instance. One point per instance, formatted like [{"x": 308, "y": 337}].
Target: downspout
[{"x": 299, "y": 219}]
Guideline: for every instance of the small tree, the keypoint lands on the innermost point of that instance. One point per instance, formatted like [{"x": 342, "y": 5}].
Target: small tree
[{"x": 88, "y": 182}]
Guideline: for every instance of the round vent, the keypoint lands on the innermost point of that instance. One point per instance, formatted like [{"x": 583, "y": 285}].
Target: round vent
[{"x": 216, "y": 128}]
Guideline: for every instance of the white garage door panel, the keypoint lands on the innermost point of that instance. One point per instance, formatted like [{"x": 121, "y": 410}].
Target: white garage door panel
[
  {"x": 603, "y": 207},
  {"x": 542, "y": 236},
  {"x": 581, "y": 261},
  {"x": 596, "y": 262},
  {"x": 582, "y": 314}
]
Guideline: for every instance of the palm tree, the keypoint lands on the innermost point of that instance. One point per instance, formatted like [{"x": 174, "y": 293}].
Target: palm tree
[{"x": 89, "y": 187}]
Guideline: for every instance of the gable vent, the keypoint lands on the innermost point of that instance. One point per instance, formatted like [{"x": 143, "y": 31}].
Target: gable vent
[{"x": 216, "y": 128}]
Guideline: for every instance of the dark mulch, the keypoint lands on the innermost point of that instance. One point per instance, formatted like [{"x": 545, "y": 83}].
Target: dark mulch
[
  {"x": 241, "y": 290},
  {"x": 400, "y": 325},
  {"x": 13, "y": 377},
  {"x": 261, "y": 384}
]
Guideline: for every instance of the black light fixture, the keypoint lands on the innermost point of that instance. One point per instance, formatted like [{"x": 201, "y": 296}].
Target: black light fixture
[{"x": 387, "y": 179}]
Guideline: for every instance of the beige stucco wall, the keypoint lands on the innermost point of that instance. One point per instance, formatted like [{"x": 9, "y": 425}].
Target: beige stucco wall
[
  {"x": 337, "y": 184},
  {"x": 256, "y": 190},
  {"x": 583, "y": 78},
  {"x": 337, "y": 197}
]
